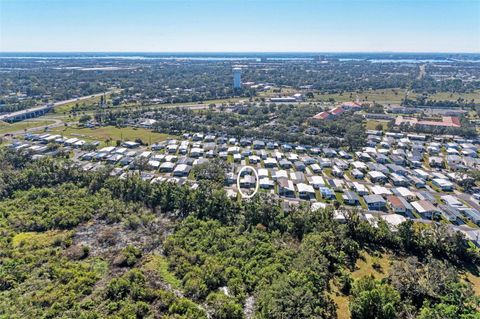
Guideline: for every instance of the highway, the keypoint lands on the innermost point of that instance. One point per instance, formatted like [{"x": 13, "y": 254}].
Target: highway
[{"x": 4, "y": 117}]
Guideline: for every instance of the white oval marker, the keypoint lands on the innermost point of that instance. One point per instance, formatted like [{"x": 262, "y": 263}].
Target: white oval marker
[{"x": 257, "y": 183}]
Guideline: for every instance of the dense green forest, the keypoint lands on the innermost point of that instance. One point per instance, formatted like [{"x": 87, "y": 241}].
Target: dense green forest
[{"x": 87, "y": 245}]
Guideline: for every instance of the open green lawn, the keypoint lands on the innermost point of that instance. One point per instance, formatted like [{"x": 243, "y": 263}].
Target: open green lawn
[
  {"x": 68, "y": 106},
  {"x": 19, "y": 126},
  {"x": 364, "y": 267},
  {"x": 114, "y": 133},
  {"x": 372, "y": 124},
  {"x": 394, "y": 96}
]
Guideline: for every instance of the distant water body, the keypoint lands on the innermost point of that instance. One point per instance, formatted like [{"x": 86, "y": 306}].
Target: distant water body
[{"x": 231, "y": 56}]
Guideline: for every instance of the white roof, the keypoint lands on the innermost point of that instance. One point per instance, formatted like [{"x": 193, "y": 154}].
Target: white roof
[
  {"x": 442, "y": 182},
  {"x": 393, "y": 219},
  {"x": 405, "y": 192},
  {"x": 107, "y": 149},
  {"x": 266, "y": 181},
  {"x": 281, "y": 173},
  {"x": 154, "y": 163},
  {"x": 317, "y": 180},
  {"x": 304, "y": 188},
  {"x": 180, "y": 167},
  {"x": 452, "y": 200},
  {"x": 380, "y": 190},
  {"x": 262, "y": 172},
  {"x": 376, "y": 174},
  {"x": 167, "y": 165}
]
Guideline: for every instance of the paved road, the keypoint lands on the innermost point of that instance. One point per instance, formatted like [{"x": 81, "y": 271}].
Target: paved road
[
  {"x": 84, "y": 98},
  {"x": 57, "y": 123}
]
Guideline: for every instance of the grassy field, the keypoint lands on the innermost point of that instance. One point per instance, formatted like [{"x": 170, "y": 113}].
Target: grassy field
[
  {"x": 455, "y": 96},
  {"x": 372, "y": 124},
  {"x": 160, "y": 265},
  {"x": 19, "y": 126},
  {"x": 68, "y": 106},
  {"x": 105, "y": 133},
  {"x": 364, "y": 267},
  {"x": 394, "y": 96}
]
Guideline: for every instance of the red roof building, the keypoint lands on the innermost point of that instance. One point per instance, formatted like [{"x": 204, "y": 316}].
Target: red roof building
[
  {"x": 350, "y": 105},
  {"x": 337, "y": 111},
  {"x": 448, "y": 121},
  {"x": 321, "y": 116}
]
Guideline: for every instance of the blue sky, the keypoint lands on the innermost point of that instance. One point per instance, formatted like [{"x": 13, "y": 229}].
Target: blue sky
[{"x": 240, "y": 25}]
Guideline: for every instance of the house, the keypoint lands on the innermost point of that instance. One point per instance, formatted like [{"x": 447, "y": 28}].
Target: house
[
  {"x": 265, "y": 183},
  {"x": 297, "y": 177},
  {"x": 172, "y": 148},
  {"x": 254, "y": 159},
  {"x": 285, "y": 164},
  {"x": 317, "y": 181},
  {"x": 237, "y": 157},
  {"x": 286, "y": 187},
  {"x": 404, "y": 192},
  {"x": 329, "y": 152},
  {"x": 258, "y": 145},
  {"x": 426, "y": 209},
  {"x": 307, "y": 160},
  {"x": 344, "y": 155},
  {"x": 359, "y": 165},
  {"x": 375, "y": 202},
  {"x": 450, "y": 213},
  {"x": 444, "y": 184},
  {"x": 299, "y": 166},
  {"x": 114, "y": 158},
  {"x": 380, "y": 190},
  {"x": 452, "y": 201},
  {"x": 322, "y": 116},
  {"x": 232, "y": 150},
  {"x": 270, "y": 162},
  {"x": 393, "y": 220},
  {"x": 315, "y": 168},
  {"x": 361, "y": 189},
  {"x": 357, "y": 174},
  {"x": 425, "y": 195},
  {"x": 325, "y": 163},
  {"x": 399, "y": 205},
  {"x": 326, "y": 193},
  {"x": 336, "y": 184},
  {"x": 196, "y": 152},
  {"x": 417, "y": 182},
  {"x": 472, "y": 214},
  {"x": 280, "y": 174},
  {"x": 262, "y": 172},
  {"x": 182, "y": 170},
  {"x": 248, "y": 181},
  {"x": 336, "y": 171},
  {"x": 350, "y": 198},
  {"x": 245, "y": 142},
  {"x": 129, "y": 144},
  {"x": 197, "y": 137},
  {"x": 397, "y": 169},
  {"x": 435, "y": 161},
  {"x": 305, "y": 191},
  {"x": 398, "y": 180},
  {"x": 167, "y": 167},
  {"x": 420, "y": 173},
  {"x": 377, "y": 177},
  {"x": 471, "y": 234}
]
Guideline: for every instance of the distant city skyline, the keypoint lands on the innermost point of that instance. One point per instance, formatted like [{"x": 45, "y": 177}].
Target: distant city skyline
[{"x": 240, "y": 26}]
